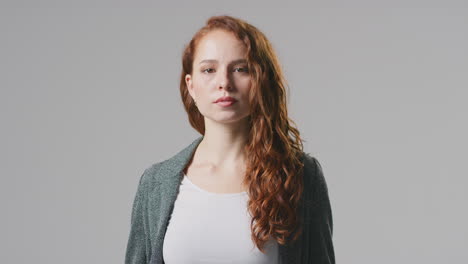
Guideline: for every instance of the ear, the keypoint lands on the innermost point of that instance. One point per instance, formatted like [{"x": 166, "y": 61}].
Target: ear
[{"x": 188, "y": 82}]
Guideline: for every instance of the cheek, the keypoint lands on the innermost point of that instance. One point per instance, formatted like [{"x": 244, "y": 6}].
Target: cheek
[
  {"x": 199, "y": 84},
  {"x": 245, "y": 86},
  {"x": 201, "y": 92},
  {"x": 202, "y": 84},
  {"x": 243, "y": 82}
]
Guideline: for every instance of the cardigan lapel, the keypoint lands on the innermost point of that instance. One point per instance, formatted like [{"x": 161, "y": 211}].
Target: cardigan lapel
[{"x": 170, "y": 175}]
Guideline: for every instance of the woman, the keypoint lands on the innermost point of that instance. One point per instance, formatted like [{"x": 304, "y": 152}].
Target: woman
[{"x": 244, "y": 191}]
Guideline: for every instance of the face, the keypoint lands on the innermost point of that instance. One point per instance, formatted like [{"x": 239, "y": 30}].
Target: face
[{"x": 220, "y": 69}]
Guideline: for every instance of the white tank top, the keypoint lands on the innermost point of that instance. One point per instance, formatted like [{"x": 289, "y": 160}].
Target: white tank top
[{"x": 208, "y": 227}]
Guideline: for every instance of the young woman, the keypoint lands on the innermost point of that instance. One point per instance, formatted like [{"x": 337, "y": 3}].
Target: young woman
[{"x": 244, "y": 191}]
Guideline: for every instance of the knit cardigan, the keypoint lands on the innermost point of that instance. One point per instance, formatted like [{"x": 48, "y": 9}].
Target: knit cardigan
[{"x": 157, "y": 191}]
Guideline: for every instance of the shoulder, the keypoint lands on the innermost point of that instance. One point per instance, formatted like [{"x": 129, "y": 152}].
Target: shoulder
[
  {"x": 153, "y": 174},
  {"x": 312, "y": 168},
  {"x": 163, "y": 172},
  {"x": 315, "y": 185}
]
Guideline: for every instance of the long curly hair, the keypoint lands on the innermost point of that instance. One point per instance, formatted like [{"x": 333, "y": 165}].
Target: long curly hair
[{"x": 274, "y": 169}]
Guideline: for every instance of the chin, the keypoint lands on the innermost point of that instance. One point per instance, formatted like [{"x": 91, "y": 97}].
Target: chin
[{"x": 228, "y": 120}]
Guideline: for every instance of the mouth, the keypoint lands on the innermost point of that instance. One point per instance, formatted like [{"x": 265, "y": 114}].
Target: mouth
[
  {"x": 225, "y": 98},
  {"x": 226, "y": 103}
]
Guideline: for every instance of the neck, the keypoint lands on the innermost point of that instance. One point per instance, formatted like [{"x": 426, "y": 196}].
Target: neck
[{"x": 223, "y": 144}]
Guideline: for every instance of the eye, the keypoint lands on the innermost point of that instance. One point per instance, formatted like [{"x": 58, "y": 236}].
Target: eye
[
  {"x": 207, "y": 69},
  {"x": 244, "y": 69}
]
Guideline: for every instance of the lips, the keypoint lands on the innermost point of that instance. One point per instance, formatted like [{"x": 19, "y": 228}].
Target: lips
[{"x": 225, "y": 99}]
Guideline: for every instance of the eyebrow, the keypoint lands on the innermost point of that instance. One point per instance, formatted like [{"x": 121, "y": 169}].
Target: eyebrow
[{"x": 232, "y": 62}]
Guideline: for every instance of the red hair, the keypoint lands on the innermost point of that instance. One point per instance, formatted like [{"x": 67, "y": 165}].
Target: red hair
[{"x": 274, "y": 171}]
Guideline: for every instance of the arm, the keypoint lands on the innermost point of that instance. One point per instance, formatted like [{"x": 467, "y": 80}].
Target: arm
[
  {"x": 136, "y": 251},
  {"x": 321, "y": 250}
]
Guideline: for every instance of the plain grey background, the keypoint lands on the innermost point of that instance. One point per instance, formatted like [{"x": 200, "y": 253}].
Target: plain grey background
[{"x": 90, "y": 98}]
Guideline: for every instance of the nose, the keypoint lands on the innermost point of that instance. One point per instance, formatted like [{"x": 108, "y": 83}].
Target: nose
[{"x": 224, "y": 80}]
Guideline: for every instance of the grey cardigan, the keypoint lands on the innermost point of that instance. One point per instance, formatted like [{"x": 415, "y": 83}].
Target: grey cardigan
[{"x": 157, "y": 191}]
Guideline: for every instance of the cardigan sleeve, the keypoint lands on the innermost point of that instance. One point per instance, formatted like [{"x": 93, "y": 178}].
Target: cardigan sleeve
[
  {"x": 138, "y": 242},
  {"x": 321, "y": 249}
]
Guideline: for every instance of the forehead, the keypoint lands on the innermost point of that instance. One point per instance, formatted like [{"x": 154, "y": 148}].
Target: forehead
[{"x": 220, "y": 45}]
